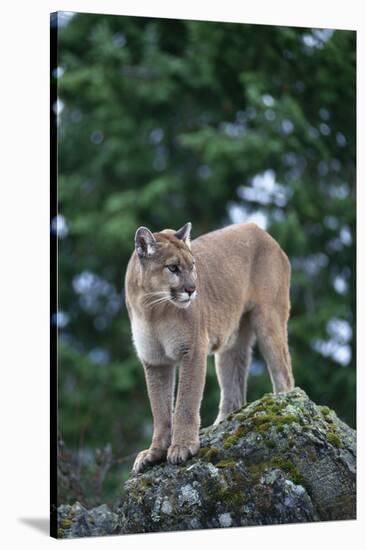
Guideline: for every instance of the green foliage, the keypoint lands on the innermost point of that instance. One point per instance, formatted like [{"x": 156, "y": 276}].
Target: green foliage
[{"x": 166, "y": 121}]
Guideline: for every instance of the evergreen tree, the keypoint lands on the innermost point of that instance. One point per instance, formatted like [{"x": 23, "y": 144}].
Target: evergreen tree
[{"x": 163, "y": 122}]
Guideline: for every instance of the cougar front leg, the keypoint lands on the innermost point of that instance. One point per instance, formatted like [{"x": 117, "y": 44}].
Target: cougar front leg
[
  {"x": 185, "y": 441},
  {"x": 160, "y": 387}
]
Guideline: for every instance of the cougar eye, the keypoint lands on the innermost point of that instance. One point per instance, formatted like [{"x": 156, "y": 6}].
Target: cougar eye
[{"x": 173, "y": 268}]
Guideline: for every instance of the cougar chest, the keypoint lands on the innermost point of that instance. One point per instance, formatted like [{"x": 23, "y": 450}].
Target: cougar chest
[{"x": 157, "y": 343}]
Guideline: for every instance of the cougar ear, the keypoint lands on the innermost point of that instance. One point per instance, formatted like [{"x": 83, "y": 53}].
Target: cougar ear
[
  {"x": 184, "y": 233},
  {"x": 145, "y": 242}
]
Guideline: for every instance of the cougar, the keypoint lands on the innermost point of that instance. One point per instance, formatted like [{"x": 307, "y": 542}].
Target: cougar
[{"x": 214, "y": 295}]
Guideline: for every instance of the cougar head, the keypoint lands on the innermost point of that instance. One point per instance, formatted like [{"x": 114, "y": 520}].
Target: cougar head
[{"x": 168, "y": 272}]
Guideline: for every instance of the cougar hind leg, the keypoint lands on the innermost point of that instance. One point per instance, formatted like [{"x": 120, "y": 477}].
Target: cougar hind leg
[
  {"x": 232, "y": 368},
  {"x": 271, "y": 332}
]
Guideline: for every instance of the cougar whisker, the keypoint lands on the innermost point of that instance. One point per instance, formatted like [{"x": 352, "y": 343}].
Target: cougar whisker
[
  {"x": 152, "y": 295},
  {"x": 159, "y": 301}
]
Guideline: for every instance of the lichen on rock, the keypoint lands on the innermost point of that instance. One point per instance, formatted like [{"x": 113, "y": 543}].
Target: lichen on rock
[
  {"x": 76, "y": 521},
  {"x": 281, "y": 459}
]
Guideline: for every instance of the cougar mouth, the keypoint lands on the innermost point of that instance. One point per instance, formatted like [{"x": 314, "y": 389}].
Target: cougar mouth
[{"x": 182, "y": 299}]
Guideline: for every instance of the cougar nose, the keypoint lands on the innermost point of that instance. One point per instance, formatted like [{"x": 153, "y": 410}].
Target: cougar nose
[{"x": 190, "y": 290}]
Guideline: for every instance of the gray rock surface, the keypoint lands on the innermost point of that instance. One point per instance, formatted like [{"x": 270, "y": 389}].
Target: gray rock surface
[
  {"x": 76, "y": 521},
  {"x": 281, "y": 459}
]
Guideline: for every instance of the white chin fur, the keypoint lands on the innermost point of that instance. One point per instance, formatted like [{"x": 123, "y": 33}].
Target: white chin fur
[
  {"x": 182, "y": 305},
  {"x": 184, "y": 300}
]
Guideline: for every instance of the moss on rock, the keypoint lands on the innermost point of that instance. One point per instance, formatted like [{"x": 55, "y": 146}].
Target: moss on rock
[
  {"x": 226, "y": 463},
  {"x": 280, "y": 459},
  {"x": 334, "y": 439},
  {"x": 264, "y": 464},
  {"x": 208, "y": 453}
]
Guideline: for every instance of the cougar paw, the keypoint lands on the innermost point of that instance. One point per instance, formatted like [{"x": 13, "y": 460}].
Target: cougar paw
[
  {"x": 181, "y": 452},
  {"x": 147, "y": 458}
]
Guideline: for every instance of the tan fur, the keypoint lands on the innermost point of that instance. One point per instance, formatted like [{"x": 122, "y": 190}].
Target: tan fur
[{"x": 242, "y": 280}]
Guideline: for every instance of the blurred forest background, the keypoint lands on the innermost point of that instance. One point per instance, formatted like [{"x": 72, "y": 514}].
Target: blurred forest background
[{"x": 161, "y": 122}]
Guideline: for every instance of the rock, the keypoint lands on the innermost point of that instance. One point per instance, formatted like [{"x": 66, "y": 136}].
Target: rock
[
  {"x": 76, "y": 521},
  {"x": 281, "y": 459}
]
